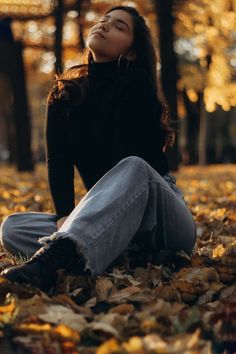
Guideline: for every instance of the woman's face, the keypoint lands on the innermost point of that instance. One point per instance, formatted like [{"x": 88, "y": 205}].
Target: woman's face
[{"x": 111, "y": 36}]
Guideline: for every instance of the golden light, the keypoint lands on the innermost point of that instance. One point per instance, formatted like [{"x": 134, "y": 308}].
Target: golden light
[
  {"x": 207, "y": 24},
  {"x": 192, "y": 95},
  {"x": 210, "y": 25},
  {"x": 25, "y": 7}
]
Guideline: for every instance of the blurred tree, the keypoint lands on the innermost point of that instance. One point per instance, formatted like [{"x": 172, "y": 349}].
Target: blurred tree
[
  {"x": 164, "y": 9},
  {"x": 200, "y": 32},
  {"x": 82, "y": 7},
  {"x": 205, "y": 44},
  {"x": 11, "y": 65},
  {"x": 192, "y": 127},
  {"x": 59, "y": 15},
  {"x": 6, "y": 30}
]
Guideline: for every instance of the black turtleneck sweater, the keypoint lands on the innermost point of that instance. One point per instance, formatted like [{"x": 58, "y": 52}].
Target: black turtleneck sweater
[{"x": 120, "y": 117}]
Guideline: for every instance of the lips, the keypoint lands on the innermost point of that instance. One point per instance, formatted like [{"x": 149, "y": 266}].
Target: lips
[{"x": 100, "y": 34}]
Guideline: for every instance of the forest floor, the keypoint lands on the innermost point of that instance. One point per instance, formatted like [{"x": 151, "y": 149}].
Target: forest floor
[{"x": 185, "y": 305}]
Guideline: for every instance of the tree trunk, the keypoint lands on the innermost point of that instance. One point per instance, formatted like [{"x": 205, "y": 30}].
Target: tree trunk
[
  {"x": 21, "y": 114},
  {"x": 11, "y": 64},
  {"x": 192, "y": 129},
  {"x": 58, "y": 35},
  {"x": 168, "y": 68},
  {"x": 202, "y": 133},
  {"x": 80, "y": 25}
]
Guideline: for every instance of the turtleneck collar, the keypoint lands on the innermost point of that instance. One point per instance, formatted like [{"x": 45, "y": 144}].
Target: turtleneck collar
[{"x": 106, "y": 69}]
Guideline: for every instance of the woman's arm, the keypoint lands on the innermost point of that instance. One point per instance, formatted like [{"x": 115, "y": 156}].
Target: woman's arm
[
  {"x": 59, "y": 162},
  {"x": 136, "y": 124}
]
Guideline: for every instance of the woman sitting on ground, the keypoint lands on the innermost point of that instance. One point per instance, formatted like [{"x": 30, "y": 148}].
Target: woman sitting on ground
[{"x": 104, "y": 117}]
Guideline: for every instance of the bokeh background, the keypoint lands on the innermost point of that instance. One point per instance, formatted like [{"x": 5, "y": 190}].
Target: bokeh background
[{"x": 196, "y": 41}]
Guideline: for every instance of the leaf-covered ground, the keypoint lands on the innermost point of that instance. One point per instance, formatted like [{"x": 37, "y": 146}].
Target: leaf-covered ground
[{"x": 185, "y": 305}]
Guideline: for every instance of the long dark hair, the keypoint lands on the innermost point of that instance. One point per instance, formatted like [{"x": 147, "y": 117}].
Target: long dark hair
[{"x": 72, "y": 84}]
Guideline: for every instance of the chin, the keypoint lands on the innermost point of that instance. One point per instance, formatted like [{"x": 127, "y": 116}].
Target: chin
[{"x": 95, "y": 45}]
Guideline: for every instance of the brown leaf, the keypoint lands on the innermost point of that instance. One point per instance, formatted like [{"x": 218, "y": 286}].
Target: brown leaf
[
  {"x": 228, "y": 292},
  {"x": 58, "y": 314},
  {"x": 103, "y": 288},
  {"x": 194, "y": 281},
  {"x": 122, "y": 309},
  {"x": 168, "y": 293},
  {"x": 123, "y": 295},
  {"x": 91, "y": 302},
  {"x": 31, "y": 307},
  {"x": 141, "y": 274},
  {"x": 163, "y": 308},
  {"x": 103, "y": 327}
]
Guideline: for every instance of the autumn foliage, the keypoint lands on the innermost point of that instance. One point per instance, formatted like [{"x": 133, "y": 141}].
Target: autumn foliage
[{"x": 185, "y": 305}]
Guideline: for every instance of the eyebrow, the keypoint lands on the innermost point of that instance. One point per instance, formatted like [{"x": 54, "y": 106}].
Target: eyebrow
[{"x": 118, "y": 20}]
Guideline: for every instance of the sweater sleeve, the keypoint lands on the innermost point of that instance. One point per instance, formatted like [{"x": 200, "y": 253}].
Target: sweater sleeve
[
  {"x": 60, "y": 167},
  {"x": 136, "y": 122}
]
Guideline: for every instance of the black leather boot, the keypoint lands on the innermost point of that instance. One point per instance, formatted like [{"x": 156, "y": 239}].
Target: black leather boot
[{"x": 41, "y": 269}]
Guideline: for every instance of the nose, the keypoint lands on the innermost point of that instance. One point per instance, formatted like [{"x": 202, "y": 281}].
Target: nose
[{"x": 103, "y": 26}]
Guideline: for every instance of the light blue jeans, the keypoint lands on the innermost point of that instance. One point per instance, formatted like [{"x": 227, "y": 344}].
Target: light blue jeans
[{"x": 131, "y": 201}]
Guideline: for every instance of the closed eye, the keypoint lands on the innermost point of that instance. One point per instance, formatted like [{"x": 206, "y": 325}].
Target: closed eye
[{"x": 120, "y": 28}]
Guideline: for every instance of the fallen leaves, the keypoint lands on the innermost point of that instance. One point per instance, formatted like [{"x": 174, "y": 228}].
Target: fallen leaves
[
  {"x": 153, "y": 343},
  {"x": 58, "y": 314},
  {"x": 175, "y": 304}
]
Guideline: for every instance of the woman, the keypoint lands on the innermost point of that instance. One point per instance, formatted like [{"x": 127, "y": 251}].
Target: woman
[{"x": 106, "y": 119}]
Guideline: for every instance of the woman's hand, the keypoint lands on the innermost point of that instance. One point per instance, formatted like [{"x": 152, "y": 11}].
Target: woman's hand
[{"x": 61, "y": 221}]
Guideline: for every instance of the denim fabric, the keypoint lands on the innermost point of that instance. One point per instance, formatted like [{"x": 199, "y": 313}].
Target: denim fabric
[{"x": 130, "y": 200}]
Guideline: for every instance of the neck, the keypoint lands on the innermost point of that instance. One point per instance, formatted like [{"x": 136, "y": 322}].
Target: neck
[{"x": 103, "y": 60}]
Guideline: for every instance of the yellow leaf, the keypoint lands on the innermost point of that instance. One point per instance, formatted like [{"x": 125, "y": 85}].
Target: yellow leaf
[
  {"x": 9, "y": 307},
  {"x": 218, "y": 251},
  {"x": 67, "y": 332},
  {"x": 134, "y": 344},
  {"x": 109, "y": 346},
  {"x": 34, "y": 327}
]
